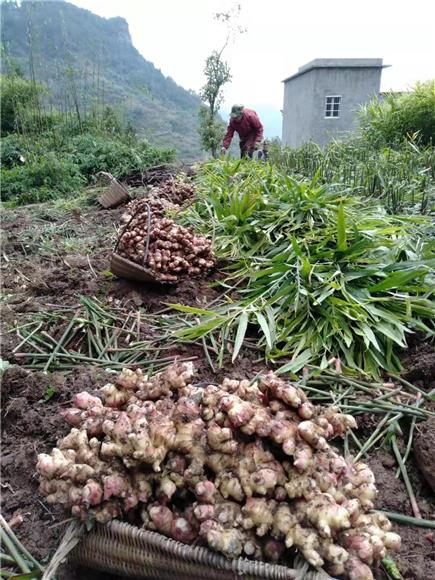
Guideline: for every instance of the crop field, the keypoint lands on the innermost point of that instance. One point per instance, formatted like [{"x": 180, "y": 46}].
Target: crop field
[{"x": 291, "y": 328}]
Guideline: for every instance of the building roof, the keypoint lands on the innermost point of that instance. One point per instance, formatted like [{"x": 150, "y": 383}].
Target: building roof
[{"x": 338, "y": 63}]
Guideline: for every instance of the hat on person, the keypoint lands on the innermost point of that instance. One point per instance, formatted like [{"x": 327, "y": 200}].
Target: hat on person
[{"x": 236, "y": 110}]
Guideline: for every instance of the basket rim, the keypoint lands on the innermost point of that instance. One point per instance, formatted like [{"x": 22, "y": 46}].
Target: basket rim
[
  {"x": 134, "y": 267},
  {"x": 131, "y": 539}
]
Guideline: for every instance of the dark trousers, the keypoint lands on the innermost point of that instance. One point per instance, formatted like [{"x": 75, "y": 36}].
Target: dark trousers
[{"x": 245, "y": 152}]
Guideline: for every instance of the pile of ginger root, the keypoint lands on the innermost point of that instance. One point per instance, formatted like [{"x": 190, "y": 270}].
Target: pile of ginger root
[
  {"x": 169, "y": 196},
  {"x": 174, "y": 251},
  {"x": 242, "y": 467}
]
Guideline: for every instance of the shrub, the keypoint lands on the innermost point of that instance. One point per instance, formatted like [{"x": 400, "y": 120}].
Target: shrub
[
  {"x": 18, "y": 95},
  {"x": 11, "y": 152},
  {"x": 402, "y": 178},
  {"x": 400, "y": 117},
  {"x": 41, "y": 178},
  {"x": 47, "y": 154},
  {"x": 35, "y": 169},
  {"x": 102, "y": 153}
]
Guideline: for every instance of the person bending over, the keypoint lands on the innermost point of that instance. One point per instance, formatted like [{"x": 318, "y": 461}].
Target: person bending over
[{"x": 246, "y": 123}]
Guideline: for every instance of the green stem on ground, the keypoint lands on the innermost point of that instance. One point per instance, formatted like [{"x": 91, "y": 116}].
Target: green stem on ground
[
  {"x": 355, "y": 438},
  {"x": 410, "y": 386},
  {"x": 5, "y": 526},
  {"x": 11, "y": 548},
  {"x": 26, "y": 338},
  {"x": 408, "y": 520},
  {"x": 410, "y": 437},
  {"x": 207, "y": 354},
  {"x": 60, "y": 343},
  {"x": 405, "y": 477},
  {"x": 374, "y": 438},
  {"x": 388, "y": 395}
]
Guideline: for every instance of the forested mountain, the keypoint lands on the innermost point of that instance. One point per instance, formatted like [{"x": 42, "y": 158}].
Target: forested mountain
[{"x": 83, "y": 59}]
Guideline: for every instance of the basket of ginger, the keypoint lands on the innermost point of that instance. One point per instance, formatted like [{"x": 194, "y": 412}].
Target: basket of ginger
[{"x": 153, "y": 248}]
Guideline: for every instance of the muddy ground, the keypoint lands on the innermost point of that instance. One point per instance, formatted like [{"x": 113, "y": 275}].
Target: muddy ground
[{"x": 52, "y": 256}]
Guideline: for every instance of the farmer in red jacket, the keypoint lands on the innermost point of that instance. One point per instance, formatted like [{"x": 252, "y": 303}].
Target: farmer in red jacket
[{"x": 246, "y": 123}]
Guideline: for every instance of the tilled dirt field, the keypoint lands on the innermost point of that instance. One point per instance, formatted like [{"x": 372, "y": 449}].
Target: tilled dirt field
[{"x": 50, "y": 258}]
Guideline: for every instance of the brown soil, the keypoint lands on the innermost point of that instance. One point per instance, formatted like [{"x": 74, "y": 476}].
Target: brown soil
[
  {"x": 416, "y": 559},
  {"x": 31, "y": 425},
  {"x": 41, "y": 277},
  {"x": 41, "y": 273},
  {"x": 152, "y": 296},
  {"x": 424, "y": 451},
  {"x": 36, "y": 279},
  {"x": 419, "y": 364}
]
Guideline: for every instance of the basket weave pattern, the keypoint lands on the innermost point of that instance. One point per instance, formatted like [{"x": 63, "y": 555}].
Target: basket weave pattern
[
  {"x": 116, "y": 193},
  {"x": 120, "y": 548}
]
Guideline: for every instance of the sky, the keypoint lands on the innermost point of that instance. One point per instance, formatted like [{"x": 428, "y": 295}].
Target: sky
[{"x": 281, "y": 35}]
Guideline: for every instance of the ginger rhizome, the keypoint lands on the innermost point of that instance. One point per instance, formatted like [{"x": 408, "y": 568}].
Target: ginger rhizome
[
  {"x": 245, "y": 468},
  {"x": 170, "y": 250}
]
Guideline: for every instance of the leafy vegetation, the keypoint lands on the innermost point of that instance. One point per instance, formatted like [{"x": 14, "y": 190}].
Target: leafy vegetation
[
  {"x": 56, "y": 154},
  {"x": 401, "y": 116},
  {"x": 45, "y": 171},
  {"x": 320, "y": 274},
  {"x": 41, "y": 177},
  {"x": 402, "y": 179},
  {"x": 18, "y": 96}
]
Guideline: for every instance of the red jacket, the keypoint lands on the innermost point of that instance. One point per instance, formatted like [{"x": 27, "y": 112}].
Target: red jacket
[{"x": 249, "y": 129}]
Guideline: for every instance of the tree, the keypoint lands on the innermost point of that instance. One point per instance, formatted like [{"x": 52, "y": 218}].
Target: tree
[
  {"x": 211, "y": 128},
  {"x": 18, "y": 96},
  {"x": 217, "y": 74}
]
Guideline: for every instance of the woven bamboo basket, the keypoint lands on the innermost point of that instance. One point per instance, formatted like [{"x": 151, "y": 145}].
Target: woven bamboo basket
[
  {"x": 116, "y": 195},
  {"x": 124, "y": 268},
  {"x": 123, "y": 549}
]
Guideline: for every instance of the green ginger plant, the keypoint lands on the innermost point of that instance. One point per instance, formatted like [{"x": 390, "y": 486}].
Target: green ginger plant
[{"x": 319, "y": 274}]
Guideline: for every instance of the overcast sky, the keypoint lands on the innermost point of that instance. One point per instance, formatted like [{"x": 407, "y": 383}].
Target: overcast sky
[{"x": 178, "y": 35}]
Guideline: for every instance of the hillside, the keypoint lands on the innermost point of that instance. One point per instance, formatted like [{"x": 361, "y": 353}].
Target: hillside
[{"x": 83, "y": 58}]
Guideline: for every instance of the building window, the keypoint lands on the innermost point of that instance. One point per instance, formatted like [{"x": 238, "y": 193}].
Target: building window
[{"x": 332, "y": 106}]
